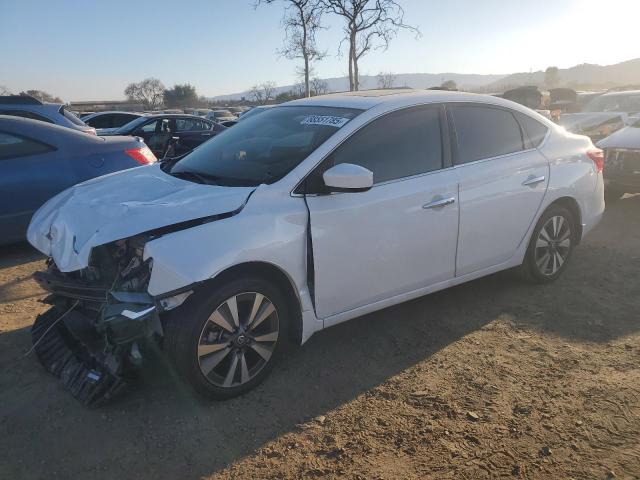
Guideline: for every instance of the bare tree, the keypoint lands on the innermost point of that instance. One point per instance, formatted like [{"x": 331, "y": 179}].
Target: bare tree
[
  {"x": 298, "y": 90},
  {"x": 263, "y": 93},
  {"x": 301, "y": 21},
  {"x": 369, "y": 24},
  {"x": 386, "y": 79},
  {"x": 256, "y": 94},
  {"x": 149, "y": 92},
  {"x": 269, "y": 90},
  {"x": 319, "y": 86},
  {"x": 4, "y": 90}
]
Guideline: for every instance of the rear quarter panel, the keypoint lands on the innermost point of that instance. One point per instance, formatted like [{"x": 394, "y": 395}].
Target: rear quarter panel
[{"x": 573, "y": 174}]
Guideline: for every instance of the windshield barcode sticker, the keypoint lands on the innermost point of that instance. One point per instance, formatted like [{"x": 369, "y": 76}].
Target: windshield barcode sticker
[{"x": 327, "y": 120}]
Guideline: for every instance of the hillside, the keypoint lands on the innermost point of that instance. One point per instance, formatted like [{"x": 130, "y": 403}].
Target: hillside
[
  {"x": 619, "y": 74},
  {"x": 585, "y": 75}
]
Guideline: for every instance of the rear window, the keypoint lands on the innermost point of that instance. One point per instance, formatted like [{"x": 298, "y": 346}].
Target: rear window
[
  {"x": 25, "y": 114},
  {"x": 485, "y": 132},
  {"x": 12, "y": 146},
  {"x": 71, "y": 117},
  {"x": 534, "y": 130}
]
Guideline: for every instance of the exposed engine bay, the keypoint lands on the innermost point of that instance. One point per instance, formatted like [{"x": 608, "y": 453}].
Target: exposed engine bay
[{"x": 90, "y": 338}]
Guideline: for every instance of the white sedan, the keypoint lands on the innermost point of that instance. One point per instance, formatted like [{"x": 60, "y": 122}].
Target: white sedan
[{"x": 310, "y": 214}]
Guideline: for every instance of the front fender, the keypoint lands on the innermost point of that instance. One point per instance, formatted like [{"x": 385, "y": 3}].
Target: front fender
[{"x": 271, "y": 228}]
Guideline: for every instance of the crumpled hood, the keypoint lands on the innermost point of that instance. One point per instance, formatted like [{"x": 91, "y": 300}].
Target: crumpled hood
[
  {"x": 585, "y": 121},
  {"x": 120, "y": 205},
  {"x": 627, "y": 138}
]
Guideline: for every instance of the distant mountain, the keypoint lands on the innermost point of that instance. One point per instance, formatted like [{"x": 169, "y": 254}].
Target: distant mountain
[
  {"x": 607, "y": 76},
  {"x": 413, "y": 80},
  {"x": 585, "y": 75}
]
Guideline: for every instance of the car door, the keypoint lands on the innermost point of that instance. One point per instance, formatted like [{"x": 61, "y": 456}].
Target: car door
[
  {"x": 397, "y": 237},
  {"x": 192, "y": 132},
  {"x": 157, "y": 134},
  {"x": 31, "y": 172},
  {"x": 503, "y": 180}
]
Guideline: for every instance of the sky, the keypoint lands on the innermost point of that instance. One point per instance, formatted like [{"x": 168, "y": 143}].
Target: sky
[{"x": 91, "y": 49}]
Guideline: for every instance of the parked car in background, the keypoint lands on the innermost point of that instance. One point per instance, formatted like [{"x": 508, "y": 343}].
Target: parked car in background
[
  {"x": 110, "y": 119},
  {"x": 158, "y": 130},
  {"x": 604, "y": 114},
  {"x": 622, "y": 162},
  {"x": 39, "y": 160},
  {"x": 254, "y": 111},
  {"x": 29, "y": 107},
  {"x": 310, "y": 214},
  {"x": 221, "y": 116}
]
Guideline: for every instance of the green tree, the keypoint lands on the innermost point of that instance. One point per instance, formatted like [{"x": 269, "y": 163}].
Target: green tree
[
  {"x": 181, "y": 96},
  {"x": 449, "y": 85},
  {"x": 552, "y": 77}
]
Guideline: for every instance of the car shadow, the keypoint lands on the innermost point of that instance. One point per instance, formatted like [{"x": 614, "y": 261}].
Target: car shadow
[{"x": 161, "y": 429}]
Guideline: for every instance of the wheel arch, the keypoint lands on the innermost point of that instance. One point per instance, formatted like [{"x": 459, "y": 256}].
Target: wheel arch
[
  {"x": 572, "y": 205},
  {"x": 272, "y": 273}
]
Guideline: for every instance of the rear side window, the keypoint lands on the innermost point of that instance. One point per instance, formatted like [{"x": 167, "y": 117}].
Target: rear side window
[
  {"x": 71, "y": 117},
  {"x": 101, "y": 121},
  {"x": 534, "y": 130},
  {"x": 25, "y": 114},
  {"x": 485, "y": 132},
  {"x": 12, "y": 146},
  {"x": 398, "y": 145}
]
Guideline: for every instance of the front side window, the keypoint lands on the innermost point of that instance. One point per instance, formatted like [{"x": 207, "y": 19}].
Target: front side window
[
  {"x": 264, "y": 148},
  {"x": 484, "y": 132},
  {"x": 12, "y": 146},
  {"x": 398, "y": 145}
]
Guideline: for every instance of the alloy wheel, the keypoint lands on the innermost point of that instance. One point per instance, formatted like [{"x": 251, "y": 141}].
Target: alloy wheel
[
  {"x": 238, "y": 339},
  {"x": 553, "y": 245}
]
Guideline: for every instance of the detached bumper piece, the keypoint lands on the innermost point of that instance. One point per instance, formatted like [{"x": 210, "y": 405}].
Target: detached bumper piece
[{"x": 92, "y": 377}]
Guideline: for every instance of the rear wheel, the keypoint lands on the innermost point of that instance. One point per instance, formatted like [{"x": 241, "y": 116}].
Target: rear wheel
[
  {"x": 224, "y": 340},
  {"x": 551, "y": 245}
]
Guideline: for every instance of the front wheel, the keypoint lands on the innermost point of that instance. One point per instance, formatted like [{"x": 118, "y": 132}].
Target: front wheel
[
  {"x": 223, "y": 341},
  {"x": 551, "y": 245}
]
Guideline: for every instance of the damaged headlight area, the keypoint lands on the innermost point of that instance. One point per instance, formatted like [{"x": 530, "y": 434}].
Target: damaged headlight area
[{"x": 99, "y": 316}]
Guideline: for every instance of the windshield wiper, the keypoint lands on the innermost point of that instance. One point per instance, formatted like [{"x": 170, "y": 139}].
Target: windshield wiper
[{"x": 199, "y": 177}]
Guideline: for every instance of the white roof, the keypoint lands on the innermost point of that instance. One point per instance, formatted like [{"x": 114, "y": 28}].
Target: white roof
[{"x": 402, "y": 97}]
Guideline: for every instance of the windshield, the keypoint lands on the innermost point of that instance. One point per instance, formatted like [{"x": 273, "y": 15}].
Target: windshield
[
  {"x": 71, "y": 117},
  {"x": 614, "y": 103},
  {"x": 252, "y": 112},
  {"x": 264, "y": 148}
]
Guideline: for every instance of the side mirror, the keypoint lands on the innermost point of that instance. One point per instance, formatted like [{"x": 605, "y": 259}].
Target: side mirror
[{"x": 347, "y": 177}]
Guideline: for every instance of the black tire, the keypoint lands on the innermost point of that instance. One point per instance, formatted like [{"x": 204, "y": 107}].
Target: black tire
[
  {"x": 529, "y": 268},
  {"x": 612, "y": 195},
  {"x": 185, "y": 325}
]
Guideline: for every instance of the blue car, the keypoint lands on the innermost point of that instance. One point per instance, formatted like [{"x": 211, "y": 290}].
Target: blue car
[{"x": 39, "y": 160}]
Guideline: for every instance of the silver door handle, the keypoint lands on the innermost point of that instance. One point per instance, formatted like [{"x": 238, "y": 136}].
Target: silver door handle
[
  {"x": 531, "y": 181},
  {"x": 440, "y": 202}
]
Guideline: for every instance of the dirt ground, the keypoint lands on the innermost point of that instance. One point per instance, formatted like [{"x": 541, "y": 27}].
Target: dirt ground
[{"x": 495, "y": 378}]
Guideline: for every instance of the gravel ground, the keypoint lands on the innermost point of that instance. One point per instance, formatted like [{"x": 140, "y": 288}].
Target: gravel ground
[{"x": 495, "y": 378}]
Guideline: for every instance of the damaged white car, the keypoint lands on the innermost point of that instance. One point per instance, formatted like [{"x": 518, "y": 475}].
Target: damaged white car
[{"x": 302, "y": 217}]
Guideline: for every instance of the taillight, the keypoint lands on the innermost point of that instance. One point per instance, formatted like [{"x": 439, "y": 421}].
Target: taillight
[
  {"x": 597, "y": 156},
  {"x": 91, "y": 132},
  {"x": 143, "y": 155}
]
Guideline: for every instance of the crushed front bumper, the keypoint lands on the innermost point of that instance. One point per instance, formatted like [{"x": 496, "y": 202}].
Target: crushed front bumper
[{"x": 90, "y": 336}]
